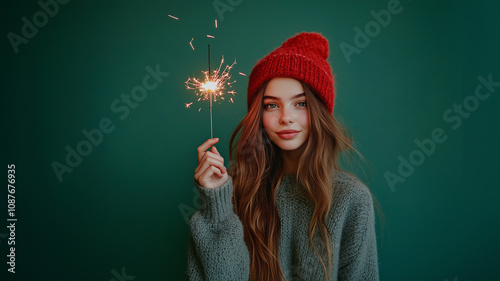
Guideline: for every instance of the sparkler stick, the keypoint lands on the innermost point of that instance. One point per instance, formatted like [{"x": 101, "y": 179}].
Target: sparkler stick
[{"x": 210, "y": 92}]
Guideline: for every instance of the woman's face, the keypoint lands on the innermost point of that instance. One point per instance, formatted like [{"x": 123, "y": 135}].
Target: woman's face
[{"x": 285, "y": 115}]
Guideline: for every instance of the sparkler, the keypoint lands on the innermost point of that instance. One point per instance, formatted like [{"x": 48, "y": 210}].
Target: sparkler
[{"x": 214, "y": 86}]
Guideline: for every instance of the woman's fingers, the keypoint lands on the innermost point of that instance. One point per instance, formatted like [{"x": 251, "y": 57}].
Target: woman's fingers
[
  {"x": 216, "y": 171},
  {"x": 210, "y": 171},
  {"x": 212, "y": 178},
  {"x": 212, "y": 156},
  {"x": 205, "y": 173},
  {"x": 210, "y": 161},
  {"x": 202, "y": 148},
  {"x": 214, "y": 150}
]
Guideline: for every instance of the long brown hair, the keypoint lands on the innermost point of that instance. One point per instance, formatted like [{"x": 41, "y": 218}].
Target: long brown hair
[{"x": 257, "y": 171}]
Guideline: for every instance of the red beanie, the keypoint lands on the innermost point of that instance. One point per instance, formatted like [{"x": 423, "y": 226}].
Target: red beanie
[{"x": 302, "y": 57}]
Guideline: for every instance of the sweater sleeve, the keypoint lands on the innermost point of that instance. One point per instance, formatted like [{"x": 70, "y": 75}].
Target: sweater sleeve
[
  {"x": 358, "y": 249},
  {"x": 217, "y": 250}
]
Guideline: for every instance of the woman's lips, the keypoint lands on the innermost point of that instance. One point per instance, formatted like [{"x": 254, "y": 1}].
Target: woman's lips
[{"x": 287, "y": 135}]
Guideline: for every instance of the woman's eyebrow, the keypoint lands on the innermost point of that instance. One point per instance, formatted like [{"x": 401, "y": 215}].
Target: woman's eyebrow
[{"x": 277, "y": 98}]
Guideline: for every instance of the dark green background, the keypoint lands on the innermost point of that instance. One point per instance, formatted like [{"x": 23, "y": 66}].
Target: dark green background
[{"x": 121, "y": 206}]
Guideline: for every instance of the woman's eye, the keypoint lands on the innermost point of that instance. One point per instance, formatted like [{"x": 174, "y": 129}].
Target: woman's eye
[
  {"x": 303, "y": 103},
  {"x": 271, "y": 105}
]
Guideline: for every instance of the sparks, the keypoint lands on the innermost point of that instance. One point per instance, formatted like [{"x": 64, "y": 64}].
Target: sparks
[
  {"x": 188, "y": 104},
  {"x": 241, "y": 73},
  {"x": 216, "y": 83},
  {"x": 175, "y": 18},
  {"x": 210, "y": 36},
  {"x": 191, "y": 43},
  {"x": 215, "y": 23}
]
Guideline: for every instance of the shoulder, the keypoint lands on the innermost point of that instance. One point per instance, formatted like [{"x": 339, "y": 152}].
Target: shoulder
[{"x": 350, "y": 194}]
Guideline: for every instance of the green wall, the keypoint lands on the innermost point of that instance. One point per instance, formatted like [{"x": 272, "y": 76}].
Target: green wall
[{"x": 121, "y": 210}]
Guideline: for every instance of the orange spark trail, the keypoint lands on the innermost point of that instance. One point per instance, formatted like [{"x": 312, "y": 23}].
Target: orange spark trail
[{"x": 191, "y": 43}]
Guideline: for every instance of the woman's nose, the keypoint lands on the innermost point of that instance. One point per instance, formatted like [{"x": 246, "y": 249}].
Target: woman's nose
[{"x": 286, "y": 117}]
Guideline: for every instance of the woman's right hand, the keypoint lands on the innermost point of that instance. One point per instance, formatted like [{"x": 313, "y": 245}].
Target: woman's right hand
[{"x": 211, "y": 172}]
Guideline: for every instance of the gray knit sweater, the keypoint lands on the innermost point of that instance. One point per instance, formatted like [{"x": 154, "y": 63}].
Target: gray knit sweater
[{"x": 217, "y": 250}]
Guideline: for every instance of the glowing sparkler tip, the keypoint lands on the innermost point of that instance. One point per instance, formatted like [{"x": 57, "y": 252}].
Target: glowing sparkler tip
[
  {"x": 210, "y": 86},
  {"x": 216, "y": 85},
  {"x": 175, "y": 18}
]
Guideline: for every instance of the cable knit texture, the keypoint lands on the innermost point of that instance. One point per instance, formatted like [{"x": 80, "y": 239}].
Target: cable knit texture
[{"x": 217, "y": 250}]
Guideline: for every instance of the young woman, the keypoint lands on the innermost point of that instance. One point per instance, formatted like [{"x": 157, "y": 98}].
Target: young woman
[{"x": 284, "y": 210}]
